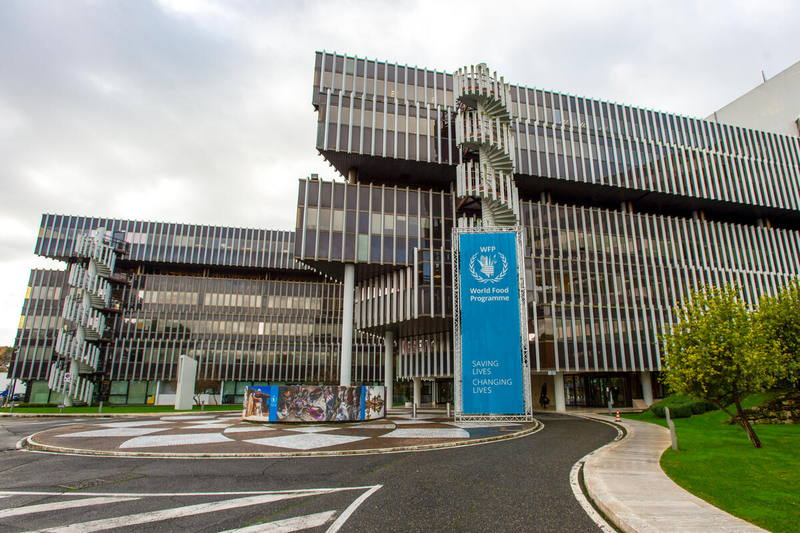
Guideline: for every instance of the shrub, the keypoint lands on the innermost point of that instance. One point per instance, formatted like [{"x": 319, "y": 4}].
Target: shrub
[{"x": 680, "y": 407}]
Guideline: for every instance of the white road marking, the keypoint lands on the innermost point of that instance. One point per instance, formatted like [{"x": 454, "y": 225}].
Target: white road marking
[
  {"x": 6, "y": 493},
  {"x": 310, "y": 429},
  {"x": 204, "y": 426},
  {"x": 372, "y": 426},
  {"x": 336, "y": 526},
  {"x": 178, "y": 512},
  {"x": 306, "y": 441},
  {"x": 57, "y": 506},
  {"x": 114, "y": 432},
  {"x": 288, "y": 525},
  {"x": 427, "y": 433},
  {"x": 133, "y": 423},
  {"x": 174, "y": 440},
  {"x": 247, "y": 429},
  {"x": 251, "y": 498}
]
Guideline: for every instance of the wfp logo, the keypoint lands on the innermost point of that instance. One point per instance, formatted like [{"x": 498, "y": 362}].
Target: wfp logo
[{"x": 483, "y": 266}]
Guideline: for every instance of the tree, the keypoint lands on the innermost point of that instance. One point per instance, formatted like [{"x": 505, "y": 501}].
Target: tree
[
  {"x": 715, "y": 353},
  {"x": 779, "y": 317},
  {"x": 6, "y": 353}
]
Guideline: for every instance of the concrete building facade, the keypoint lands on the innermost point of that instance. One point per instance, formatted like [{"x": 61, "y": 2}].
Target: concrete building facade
[{"x": 625, "y": 211}]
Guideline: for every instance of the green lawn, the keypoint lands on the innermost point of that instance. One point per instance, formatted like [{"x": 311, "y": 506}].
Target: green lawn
[
  {"x": 110, "y": 410},
  {"x": 716, "y": 462}
]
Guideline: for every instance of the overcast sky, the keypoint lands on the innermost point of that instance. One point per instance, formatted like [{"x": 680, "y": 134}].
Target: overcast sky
[{"x": 200, "y": 112}]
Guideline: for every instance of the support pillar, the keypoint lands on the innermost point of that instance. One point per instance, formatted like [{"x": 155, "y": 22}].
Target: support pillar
[
  {"x": 346, "y": 359},
  {"x": 561, "y": 404},
  {"x": 187, "y": 375},
  {"x": 417, "y": 391},
  {"x": 647, "y": 387},
  {"x": 388, "y": 367}
]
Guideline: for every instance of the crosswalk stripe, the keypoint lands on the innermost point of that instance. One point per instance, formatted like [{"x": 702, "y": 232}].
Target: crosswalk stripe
[
  {"x": 178, "y": 512},
  {"x": 288, "y": 525},
  {"x": 57, "y": 506},
  {"x": 336, "y": 526}
]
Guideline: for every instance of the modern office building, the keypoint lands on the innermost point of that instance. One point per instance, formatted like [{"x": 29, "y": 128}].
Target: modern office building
[
  {"x": 771, "y": 106},
  {"x": 624, "y": 210},
  {"x": 139, "y": 294}
]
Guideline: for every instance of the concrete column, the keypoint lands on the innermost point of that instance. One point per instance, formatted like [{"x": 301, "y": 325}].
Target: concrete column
[
  {"x": 558, "y": 392},
  {"x": 187, "y": 374},
  {"x": 346, "y": 359},
  {"x": 388, "y": 366},
  {"x": 418, "y": 391},
  {"x": 647, "y": 387}
]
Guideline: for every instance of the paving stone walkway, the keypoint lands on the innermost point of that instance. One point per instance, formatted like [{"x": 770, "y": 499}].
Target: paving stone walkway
[
  {"x": 219, "y": 434},
  {"x": 626, "y": 482}
]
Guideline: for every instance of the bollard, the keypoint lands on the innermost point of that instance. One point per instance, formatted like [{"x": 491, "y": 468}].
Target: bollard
[
  {"x": 414, "y": 410},
  {"x": 12, "y": 407},
  {"x": 448, "y": 409},
  {"x": 672, "y": 433},
  {"x": 100, "y": 408},
  {"x": 202, "y": 406}
]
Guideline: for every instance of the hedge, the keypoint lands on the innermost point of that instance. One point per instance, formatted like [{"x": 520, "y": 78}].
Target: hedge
[{"x": 681, "y": 407}]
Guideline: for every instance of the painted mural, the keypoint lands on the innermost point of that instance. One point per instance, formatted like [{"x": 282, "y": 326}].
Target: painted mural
[{"x": 310, "y": 403}]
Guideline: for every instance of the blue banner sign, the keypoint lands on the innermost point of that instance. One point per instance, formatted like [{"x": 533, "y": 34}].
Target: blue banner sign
[{"x": 491, "y": 350}]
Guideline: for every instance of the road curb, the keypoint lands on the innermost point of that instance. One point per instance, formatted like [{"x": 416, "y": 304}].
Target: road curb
[
  {"x": 591, "y": 503},
  {"x": 30, "y": 444}
]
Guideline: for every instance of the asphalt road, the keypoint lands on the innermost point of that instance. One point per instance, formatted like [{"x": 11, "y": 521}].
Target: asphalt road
[{"x": 513, "y": 485}]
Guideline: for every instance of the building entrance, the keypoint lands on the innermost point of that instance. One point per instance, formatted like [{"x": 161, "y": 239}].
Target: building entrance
[{"x": 591, "y": 390}]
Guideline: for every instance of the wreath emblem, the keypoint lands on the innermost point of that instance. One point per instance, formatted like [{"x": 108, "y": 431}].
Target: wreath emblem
[{"x": 487, "y": 264}]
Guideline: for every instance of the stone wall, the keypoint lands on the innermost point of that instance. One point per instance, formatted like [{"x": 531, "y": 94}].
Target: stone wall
[{"x": 783, "y": 409}]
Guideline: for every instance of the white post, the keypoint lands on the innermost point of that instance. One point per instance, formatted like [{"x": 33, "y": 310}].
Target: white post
[
  {"x": 187, "y": 373},
  {"x": 346, "y": 359},
  {"x": 388, "y": 367},
  {"x": 647, "y": 387},
  {"x": 559, "y": 392},
  {"x": 417, "y": 391}
]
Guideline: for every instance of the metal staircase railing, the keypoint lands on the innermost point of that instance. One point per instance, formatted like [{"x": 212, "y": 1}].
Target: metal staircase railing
[
  {"x": 84, "y": 316},
  {"x": 82, "y": 351},
  {"x": 483, "y": 132},
  {"x": 77, "y": 388},
  {"x": 85, "y": 311},
  {"x": 98, "y": 289}
]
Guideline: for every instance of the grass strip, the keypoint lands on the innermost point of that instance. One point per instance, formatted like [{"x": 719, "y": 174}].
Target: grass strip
[{"x": 716, "y": 462}]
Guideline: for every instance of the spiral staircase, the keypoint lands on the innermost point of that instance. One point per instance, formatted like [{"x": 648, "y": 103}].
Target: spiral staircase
[
  {"x": 483, "y": 135},
  {"x": 85, "y": 312}
]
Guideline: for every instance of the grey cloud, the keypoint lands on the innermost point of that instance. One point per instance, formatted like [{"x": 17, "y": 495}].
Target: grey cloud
[{"x": 141, "y": 110}]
